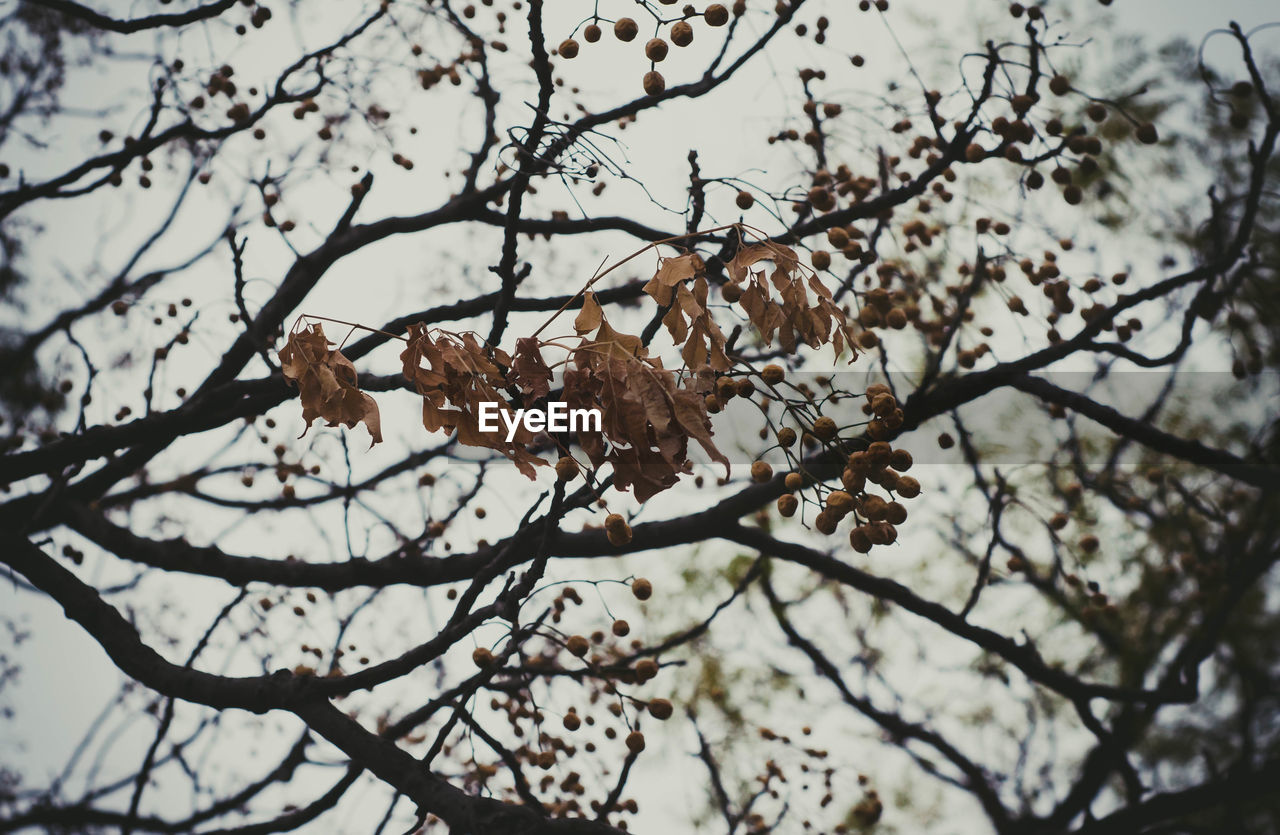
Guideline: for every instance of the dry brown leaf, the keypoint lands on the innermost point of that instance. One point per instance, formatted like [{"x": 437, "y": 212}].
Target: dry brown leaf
[
  {"x": 327, "y": 383},
  {"x": 792, "y": 317},
  {"x": 671, "y": 272},
  {"x": 459, "y": 376},
  {"x": 590, "y": 317}
]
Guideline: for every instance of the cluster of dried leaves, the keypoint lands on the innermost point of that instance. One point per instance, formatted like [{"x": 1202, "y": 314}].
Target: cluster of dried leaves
[{"x": 649, "y": 413}]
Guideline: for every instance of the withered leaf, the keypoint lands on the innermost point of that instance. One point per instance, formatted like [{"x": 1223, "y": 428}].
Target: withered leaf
[
  {"x": 327, "y": 383},
  {"x": 457, "y": 378},
  {"x": 590, "y": 317},
  {"x": 529, "y": 371},
  {"x": 671, "y": 272}
]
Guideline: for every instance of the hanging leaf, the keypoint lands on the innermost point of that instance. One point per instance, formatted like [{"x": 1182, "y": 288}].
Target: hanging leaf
[
  {"x": 671, "y": 272},
  {"x": 327, "y": 383},
  {"x": 590, "y": 317},
  {"x": 456, "y": 383}
]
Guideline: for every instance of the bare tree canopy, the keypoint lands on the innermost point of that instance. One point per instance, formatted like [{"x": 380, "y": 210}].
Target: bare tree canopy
[{"x": 621, "y": 415}]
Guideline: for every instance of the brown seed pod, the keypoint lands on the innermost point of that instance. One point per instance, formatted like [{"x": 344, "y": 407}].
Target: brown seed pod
[
  {"x": 578, "y": 645},
  {"x": 568, "y": 48},
  {"x": 840, "y": 502},
  {"x": 794, "y": 481},
  {"x": 641, "y": 588},
  {"x": 482, "y": 657},
  {"x": 975, "y": 152},
  {"x": 682, "y": 33},
  {"x": 896, "y": 514},
  {"x": 821, "y": 259},
  {"x": 1060, "y": 85},
  {"x": 761, "y": 472},
  {"x": 626, "y": 29},
  {"x": 1089, "y": 543},
  {"x": 716, "y": 15},
  {"x": 859, "y": 539},
  {"x": 572, "y": 721},
  {"x": 654, "y": 83},
  {"x": 656, "y": 49},
  {"x": 1097, "y": 112},
  {"x": 745, "y": 200},
  {"x": 635, "y": 742},
  {"x": 788, "y": 504},
  {"x": 621, "y": 628},
  {"x": 619, "y": 537},
  {"x": 821, "y": 199},
  {"x": 901, "y": 460},
  {"x": 1147, "y": 134},
  {"x": 824, "y": 428},
  {"x": 660, "y": 709},
  {"x": 566, "y": 469},
  {"x": 646, "y": 669},
  {"x": 591, "y": 34},
  {"x": 826, "y": 522},
  {"x": 772, "y": 374}
]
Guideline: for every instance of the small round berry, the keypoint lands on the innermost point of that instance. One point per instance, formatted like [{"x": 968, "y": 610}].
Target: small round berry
[
  {"x": 682, "y": 33},
  {"x": 656, "y": 49},
  {"x": 745, "y": 200},
  {"x": 626, "y": 29},
  {"x": 635, "y": 742},
  {"x": 641, "y": 588},
  {"x": 824, "y": 428},
  {"x": 654, "y": 83},
  {"x": 772, "y": 374},
  {"x": 660, "y": 709},
  {"x": 761, "y": 472},
  {"x": 566, "y": 469},
  {"x": 568, "y": 48}
]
